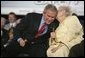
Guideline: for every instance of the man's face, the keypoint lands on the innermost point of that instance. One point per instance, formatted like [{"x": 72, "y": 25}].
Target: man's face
[
  {"x": 49, "y": 16},
  {"x": 11, "y": 18}
]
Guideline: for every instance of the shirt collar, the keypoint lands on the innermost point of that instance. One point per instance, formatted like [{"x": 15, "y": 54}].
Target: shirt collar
[{"x": 42, "y": 20}]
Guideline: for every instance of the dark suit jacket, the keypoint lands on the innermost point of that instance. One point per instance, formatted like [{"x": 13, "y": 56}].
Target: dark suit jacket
[
  {"x": 4, "y": 37},
  {"x": 29, "y": 26},
  {"x": 10, "y": 50}
]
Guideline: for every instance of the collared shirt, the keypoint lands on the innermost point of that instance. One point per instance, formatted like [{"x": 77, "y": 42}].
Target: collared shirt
[{"x": 43, "y": 21}]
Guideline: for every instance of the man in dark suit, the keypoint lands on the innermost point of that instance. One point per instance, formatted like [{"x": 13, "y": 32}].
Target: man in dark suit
[{"x": 32, "y": 36}]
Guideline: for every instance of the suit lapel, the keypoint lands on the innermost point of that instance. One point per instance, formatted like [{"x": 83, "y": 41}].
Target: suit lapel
[{"x": 36, "y": 23}]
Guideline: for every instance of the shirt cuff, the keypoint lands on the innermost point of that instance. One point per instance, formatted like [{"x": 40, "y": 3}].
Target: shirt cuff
[{"x": 19, "y": 39}]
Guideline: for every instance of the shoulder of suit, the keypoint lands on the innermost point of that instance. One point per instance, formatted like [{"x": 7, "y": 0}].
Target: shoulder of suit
[
  {"x": 33, "y": 13},
  {"x": 34, "y": 16},
  {"x": 7, "y": 26}
]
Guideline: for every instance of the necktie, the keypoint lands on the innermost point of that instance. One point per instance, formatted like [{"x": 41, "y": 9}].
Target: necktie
[{"x": 41, "y": 30}]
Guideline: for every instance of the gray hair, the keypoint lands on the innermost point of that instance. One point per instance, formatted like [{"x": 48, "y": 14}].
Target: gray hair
[
  {"x": 3, "y": 20},
  {"x": 67, "y": 9},
  {"x": 50, "y": 7}
]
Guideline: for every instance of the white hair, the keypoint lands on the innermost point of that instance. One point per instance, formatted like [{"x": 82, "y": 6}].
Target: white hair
[{"x": 67, "y": 9}]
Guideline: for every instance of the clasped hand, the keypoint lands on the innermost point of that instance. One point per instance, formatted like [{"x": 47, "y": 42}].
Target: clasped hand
[{"x": 22, "y": 42}]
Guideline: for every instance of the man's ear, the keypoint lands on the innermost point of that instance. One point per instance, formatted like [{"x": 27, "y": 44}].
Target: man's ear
[{"x": 44, "y": 12}]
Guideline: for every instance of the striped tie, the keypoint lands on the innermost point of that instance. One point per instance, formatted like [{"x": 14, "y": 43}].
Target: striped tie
[{"x": 41, "y": 30}]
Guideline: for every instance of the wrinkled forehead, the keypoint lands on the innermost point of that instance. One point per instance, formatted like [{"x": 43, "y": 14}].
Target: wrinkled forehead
[{"x": 51, "y": 13}]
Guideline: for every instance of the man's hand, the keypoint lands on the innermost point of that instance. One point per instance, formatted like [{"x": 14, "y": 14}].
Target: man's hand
[
  {"x": 22, "y": 42},
  {"x": 52, "y": 34}
]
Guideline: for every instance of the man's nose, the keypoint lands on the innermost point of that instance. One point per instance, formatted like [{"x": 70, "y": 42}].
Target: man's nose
[{"x": 50, "y": 18}]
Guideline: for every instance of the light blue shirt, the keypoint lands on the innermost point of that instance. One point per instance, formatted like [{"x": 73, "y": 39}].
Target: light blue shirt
[{"x": 46, "y": 28}]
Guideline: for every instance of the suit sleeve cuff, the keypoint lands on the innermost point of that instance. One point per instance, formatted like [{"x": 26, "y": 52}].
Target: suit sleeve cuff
[{"x": 19, "y": 39}]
